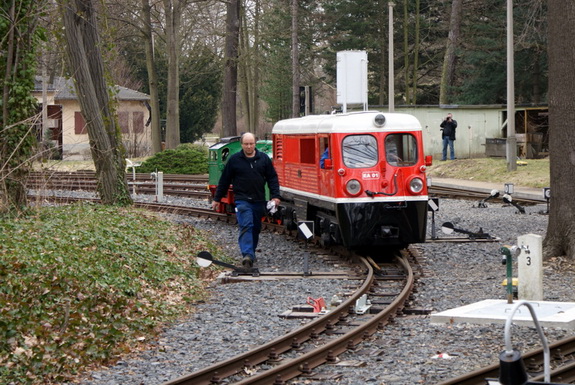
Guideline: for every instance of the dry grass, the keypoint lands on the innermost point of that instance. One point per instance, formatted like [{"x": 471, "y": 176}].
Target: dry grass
[
  {"x": 529, "y": 173},
  {"x": 65, "y": 165}
]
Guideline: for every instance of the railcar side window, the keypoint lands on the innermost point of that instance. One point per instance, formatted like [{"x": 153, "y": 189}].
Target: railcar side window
[
  {"x": 401, "y": 149},
  {"x": 359, "y": 151}
]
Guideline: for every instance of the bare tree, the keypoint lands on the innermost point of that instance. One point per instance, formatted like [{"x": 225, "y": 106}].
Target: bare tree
[
  {"x": 86, "y": 65},
  {"x": 231, "y": 69},
  {"x": 173, "y": 12},
  {"x": 152, "y": 76},
  {"x": 560, "y": 239},
  {"x": 450, "y": 59}
]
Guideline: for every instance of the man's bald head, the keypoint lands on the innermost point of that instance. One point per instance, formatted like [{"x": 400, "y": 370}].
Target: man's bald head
[
  {"x": 248, "y": 141},
  {"x": 247, "y": 135}
]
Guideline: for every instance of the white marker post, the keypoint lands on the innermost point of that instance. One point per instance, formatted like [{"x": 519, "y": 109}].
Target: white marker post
[
  {"x": 530, "y": 267},
  {"x": 159, "y": 186}
]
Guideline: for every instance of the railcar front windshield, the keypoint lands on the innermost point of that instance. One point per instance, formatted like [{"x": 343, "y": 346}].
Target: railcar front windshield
[
  {"x": 359, "y": 151},
  {"x": 401, "y": 149}
]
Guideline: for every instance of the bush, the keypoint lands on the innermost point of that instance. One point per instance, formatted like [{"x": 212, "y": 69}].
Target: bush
[
  {"x": 99, "y": 289},
  {"x": 185, "y": 159}
]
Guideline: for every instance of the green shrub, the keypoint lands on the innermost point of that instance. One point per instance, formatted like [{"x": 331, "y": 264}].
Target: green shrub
[
  {"x": 81, "y": 285},
  {"x": 185, "y": 159}
]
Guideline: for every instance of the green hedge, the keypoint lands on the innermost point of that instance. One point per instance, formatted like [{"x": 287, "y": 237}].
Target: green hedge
[{"x": 185, "y": 159}]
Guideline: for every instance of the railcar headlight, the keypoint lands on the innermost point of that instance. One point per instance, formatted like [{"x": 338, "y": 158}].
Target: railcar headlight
[
  {"x": 416, "y": 185},
  {"x": 379, "y": 120},
  {"x": 353, "y": 187}
]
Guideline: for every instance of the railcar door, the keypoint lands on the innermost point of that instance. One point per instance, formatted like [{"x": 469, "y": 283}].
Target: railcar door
[{"x": 326, "y": 174}]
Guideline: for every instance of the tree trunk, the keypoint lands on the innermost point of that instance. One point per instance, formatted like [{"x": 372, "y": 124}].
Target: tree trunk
[
  {"x": 450, "y": 59},
  {"x": 152, "y": 77},
  {"x": 294, "y": 59},
  {"x": 560, "y": 239},
  {"x": 254, "y": 95},
  {"x": 85, "y": 59},
  {"x": 383, "y": 48},
  {"x": 246, "y": 70},
  {"x": 172, "y": 10},
  {"x": 229, "y": 124},
  {"x": 406, "y": 71},
  {"x": 415, "y": 71}
]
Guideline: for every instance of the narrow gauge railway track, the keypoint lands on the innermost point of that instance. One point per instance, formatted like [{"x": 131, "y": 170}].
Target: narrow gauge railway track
[
  {"x": 91, "y": 175},
  {"x": 171, "y": 209},
  {"x": 562, "y": 353},
  {"x": 195, "y": 186},
  {"x": 319, "y": 341},
  {"x": 464, "y": 193},
  {"x": 191, "y": 186}
]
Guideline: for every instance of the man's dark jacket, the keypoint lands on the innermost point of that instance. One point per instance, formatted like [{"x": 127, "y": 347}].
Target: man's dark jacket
[
  {"x": 448, "y": 128},
  {"x": 248, "y": 177}
]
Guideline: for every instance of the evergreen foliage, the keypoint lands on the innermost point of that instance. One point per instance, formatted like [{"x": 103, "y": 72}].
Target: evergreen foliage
[
  {"x": 185, "y": 159},
  {"x": 200, "y": 93},
  {"x": 483, "y": 54},
  {"x": 276, "y": 88}
]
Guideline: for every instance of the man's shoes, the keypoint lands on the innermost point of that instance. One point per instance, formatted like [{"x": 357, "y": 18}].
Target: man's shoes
[
  {"x": 247, "y": 263},
  {"x": 443, "y": 160}
]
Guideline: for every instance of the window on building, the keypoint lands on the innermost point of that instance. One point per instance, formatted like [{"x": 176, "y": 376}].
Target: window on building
[
  {"x": 124, "y": 121},
  {"x": 138, "y": 122}
]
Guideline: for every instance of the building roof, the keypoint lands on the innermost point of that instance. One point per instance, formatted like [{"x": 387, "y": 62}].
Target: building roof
[{"x": 64, "y": 90}]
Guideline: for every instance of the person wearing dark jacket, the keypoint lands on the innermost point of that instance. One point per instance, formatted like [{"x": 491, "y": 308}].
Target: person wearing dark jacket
[
  {"x": 448, "y": 127},
  {"x": 248, "y": 171}
]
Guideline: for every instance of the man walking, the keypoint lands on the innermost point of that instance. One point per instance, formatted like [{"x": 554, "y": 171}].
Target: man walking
[
  {"x": 248, "y": 171},
  {"x": 448, "y": 127}
]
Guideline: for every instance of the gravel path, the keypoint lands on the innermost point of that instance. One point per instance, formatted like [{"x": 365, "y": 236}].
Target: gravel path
[{"x": 241, "y": 315}]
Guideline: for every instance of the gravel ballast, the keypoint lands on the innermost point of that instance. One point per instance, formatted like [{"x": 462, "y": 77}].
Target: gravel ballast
[{"x": 239, "y": 316}]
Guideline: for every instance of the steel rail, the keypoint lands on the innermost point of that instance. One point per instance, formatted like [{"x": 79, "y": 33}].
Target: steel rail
[
  {"x": 277, "y": 346},
  {"x": 308, "y": 361},
  {"x": 531, "y": 359},
  {"x": 464, "y": 193}
]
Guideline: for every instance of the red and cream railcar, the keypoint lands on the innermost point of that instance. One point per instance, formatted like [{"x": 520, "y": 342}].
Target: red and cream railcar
[{"x": 371, "y": 189}]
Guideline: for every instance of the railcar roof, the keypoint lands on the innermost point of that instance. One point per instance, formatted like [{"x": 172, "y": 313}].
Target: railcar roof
[{"x": 347, "y": 123}]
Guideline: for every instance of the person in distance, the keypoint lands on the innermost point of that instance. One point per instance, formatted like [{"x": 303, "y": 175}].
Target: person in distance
[
  {"x": 248, "y": 171},
  {"x": 448, "y": 127}
]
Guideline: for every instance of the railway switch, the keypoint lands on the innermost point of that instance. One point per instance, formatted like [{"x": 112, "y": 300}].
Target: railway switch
[
  {"x": 205, "y": 259},
  {"x": 494, "y": 194},
  {"x": 449, "y": 228},
  {"x": 509, "y": 200}
]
